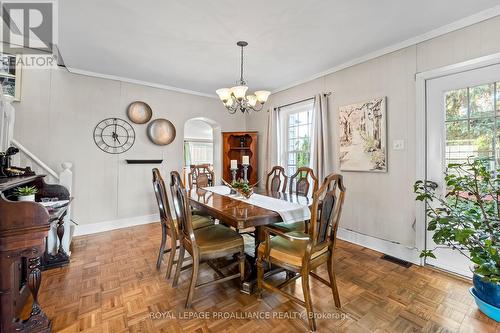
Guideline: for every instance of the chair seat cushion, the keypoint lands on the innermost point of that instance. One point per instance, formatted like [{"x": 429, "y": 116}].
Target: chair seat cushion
[
  {"x": 201, "y": 221},
  {"x": 287, "y": 251},
  {"x": 288, "y": 227},
  {"x": 218, "y": 238}
]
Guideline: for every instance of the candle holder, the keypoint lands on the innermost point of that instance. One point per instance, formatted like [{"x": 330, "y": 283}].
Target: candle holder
[
  {"x": 233, "y": 174},
  {"x": 245, "y": 173}
]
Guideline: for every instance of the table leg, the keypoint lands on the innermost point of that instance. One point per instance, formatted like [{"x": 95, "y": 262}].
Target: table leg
[
  {"x": 37, "y": 321},
  {"x": 61, "y": 258}
]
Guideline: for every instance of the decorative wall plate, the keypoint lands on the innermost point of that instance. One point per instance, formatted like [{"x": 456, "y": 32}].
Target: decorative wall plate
[
  {"x": 139, "y": 112},
  {"x": 161, "y": 132}
]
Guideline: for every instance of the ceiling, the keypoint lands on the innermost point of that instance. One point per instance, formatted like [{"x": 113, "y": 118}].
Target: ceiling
[{"x": 190, "y": 44}]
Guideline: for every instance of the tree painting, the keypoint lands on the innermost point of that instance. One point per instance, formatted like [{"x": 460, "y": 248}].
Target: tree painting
[{"x": 363, "y": 137}]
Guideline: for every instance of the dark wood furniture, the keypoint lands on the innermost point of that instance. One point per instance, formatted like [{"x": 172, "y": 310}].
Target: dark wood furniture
[
  {"x": 242, "y": 215},
  {"x": 201, "y": 175},
  {"x": 302, "y": 253},
  {"x": 212, "y": 242},
  {"x": 300, "y": 181},
  {"x": 276, "y": 179},
  {"x": 235, "y": 146},
  {"x": 168, "y": 225},
  {"x": 24, "y": 227}
]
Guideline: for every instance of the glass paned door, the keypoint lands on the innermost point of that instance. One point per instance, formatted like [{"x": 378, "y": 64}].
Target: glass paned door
[{"x": 463, "y": 120}]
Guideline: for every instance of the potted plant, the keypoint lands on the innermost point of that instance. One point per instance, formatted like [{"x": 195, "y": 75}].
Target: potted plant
[
  {"x": 26, "y": 193},
  {"x": 467, "y": 219}
]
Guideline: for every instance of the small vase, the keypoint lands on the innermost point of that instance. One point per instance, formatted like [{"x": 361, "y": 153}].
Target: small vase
[{"x": 30, "y": 197}]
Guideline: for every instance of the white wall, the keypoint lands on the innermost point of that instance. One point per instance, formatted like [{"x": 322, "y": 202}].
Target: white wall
[
  {"x": 382, "y": 205},
  {"x": 56, "y": 118},
  {"x": 196, "y": 129}
]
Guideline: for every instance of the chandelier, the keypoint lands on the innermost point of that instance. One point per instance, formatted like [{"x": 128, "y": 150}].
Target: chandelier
[{"x": 235, "y": 98}]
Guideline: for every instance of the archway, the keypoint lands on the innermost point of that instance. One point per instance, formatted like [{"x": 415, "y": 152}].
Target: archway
[{"x": 202, "y": 144}]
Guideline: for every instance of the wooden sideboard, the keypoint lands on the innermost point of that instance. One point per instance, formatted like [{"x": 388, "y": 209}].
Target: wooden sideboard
[
  {"x": 235, "y": 146},
  {"x": 24, "y": 227}
]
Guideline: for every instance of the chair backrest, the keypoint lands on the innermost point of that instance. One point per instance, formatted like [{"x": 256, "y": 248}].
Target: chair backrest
[
  {"x": 181, "y": 205},
  {"x": 326, "y": 211},
  {"x": 276, "y": 180},
  {"x": 201, "y": 175},
  {"x": 162, "y": 199},
  {"x": 300, "y": 182}
]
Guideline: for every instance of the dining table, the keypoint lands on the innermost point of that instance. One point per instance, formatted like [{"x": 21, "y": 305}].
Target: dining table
[{"x": 242, "y": 215}]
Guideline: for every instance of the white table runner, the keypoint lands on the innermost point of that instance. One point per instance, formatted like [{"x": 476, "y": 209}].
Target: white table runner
[{"x": 290, "y": 212}]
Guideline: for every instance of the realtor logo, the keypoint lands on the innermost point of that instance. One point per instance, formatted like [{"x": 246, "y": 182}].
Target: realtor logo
[{"x": 28, "y": 27}]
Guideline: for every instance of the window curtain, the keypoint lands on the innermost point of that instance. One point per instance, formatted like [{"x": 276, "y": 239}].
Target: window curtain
[
  {"x": 321, "y": 149},
  {"x": 272, "y": 139}
]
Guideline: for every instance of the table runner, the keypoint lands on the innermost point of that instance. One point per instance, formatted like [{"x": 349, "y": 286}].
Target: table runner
[{"x": 290, "y": 212}]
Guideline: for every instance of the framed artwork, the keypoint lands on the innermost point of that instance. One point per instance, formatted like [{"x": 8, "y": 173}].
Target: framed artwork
[
  {"x": 10, "y": 76},
  {"x": 363, "y": 137}
]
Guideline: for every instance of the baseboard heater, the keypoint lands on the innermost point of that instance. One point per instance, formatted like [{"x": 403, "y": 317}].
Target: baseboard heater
[{"x": 397, "y": 261}]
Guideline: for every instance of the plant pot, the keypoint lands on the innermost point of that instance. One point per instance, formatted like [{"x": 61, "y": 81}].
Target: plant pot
[
  {"x": 489, "y": 292},
  {"x": 488, "y": 309},
  {"x": 26, "y": 197}
]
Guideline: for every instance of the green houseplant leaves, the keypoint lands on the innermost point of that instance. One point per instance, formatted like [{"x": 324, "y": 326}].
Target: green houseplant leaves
[{"x": 467, "y": 217}]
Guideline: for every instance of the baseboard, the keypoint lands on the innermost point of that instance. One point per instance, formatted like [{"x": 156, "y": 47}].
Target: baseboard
[
  {"x": 87, "y": 229},
  {"x": 387, "y": 247}
]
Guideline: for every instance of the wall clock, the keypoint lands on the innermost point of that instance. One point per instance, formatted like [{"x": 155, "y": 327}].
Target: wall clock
[{"x": 114, "y": 135}]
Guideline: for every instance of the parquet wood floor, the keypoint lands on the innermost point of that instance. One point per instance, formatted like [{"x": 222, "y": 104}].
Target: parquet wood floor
[{"x": 112, "y": 285}]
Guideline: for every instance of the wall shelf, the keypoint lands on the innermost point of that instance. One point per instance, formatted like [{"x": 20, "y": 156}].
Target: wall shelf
[{"x": 144, "y": 161}]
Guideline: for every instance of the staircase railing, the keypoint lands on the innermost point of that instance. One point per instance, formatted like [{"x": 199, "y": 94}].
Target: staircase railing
[{"x": 26, "y": 158}]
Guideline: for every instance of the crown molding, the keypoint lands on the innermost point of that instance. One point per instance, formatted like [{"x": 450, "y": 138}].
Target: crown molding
[
  {"x": 456, "y": 25},
  {"x": 74, "y": 70}
]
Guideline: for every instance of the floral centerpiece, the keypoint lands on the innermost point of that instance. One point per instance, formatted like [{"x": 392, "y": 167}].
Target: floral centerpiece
[{"x": 241, "y": 187}]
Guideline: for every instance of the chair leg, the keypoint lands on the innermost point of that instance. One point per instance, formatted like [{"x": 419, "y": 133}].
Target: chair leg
[
  {"x": 162, "y": 245},
  {"x": 194, "y": 278},
  {"x": 333, "y": 283},
  {"x": 242, "y": 258},
  {"x": 307, "y": 297},
  {"x": 179, "y": 265},
  {"x": 171, "y": 257},
  {"x": 260, "y": 276}
]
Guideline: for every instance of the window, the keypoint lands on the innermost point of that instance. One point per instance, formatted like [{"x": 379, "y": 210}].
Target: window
[
  {"x": 296, "y": 122},
  {"x": 472, "y": 121},
  {"x": 198, "y": 152}
]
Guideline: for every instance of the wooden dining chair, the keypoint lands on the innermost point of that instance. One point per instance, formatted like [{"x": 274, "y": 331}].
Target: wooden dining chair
[
  {"x": 201, "y": 175},
  {"x": 300, "y": 185},
  {"x": 276, "y": 180},
  {"x": 212, "y": 242},
  {"x": 302, "y": 253},
  {"x": 300, "y": 182},
  {"x": 168, "y": 225}
]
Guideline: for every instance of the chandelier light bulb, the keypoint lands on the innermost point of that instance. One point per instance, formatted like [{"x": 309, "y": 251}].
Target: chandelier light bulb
[
  {"x": 224, "y": 94},
  {"x": 262, "y": 95}
]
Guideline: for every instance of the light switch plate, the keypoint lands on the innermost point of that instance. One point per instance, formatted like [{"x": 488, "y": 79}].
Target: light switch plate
[{"x": 398, "y": 144}]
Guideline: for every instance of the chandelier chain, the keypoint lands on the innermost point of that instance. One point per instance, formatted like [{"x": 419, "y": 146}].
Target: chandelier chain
[{"x": 241, "y": 68}]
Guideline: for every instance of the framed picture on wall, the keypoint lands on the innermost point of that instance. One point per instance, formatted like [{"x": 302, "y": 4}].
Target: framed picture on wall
[
  {"x": 10, "y": 76},
  {"x": 363, "y": 136}
]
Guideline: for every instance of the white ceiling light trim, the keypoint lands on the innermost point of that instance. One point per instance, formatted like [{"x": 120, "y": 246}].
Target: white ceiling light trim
[
  {"x": 74, "y": 70},
  {"x": 454, "y": 26}
]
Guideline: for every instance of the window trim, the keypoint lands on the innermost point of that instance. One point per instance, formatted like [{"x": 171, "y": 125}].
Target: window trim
[{"x": 285, "y": 113}]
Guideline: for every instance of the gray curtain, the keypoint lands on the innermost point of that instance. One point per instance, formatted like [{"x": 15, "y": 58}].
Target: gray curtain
[
  {"x": 272, "y": 140},
  {"x": 322, "y": 146}
]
